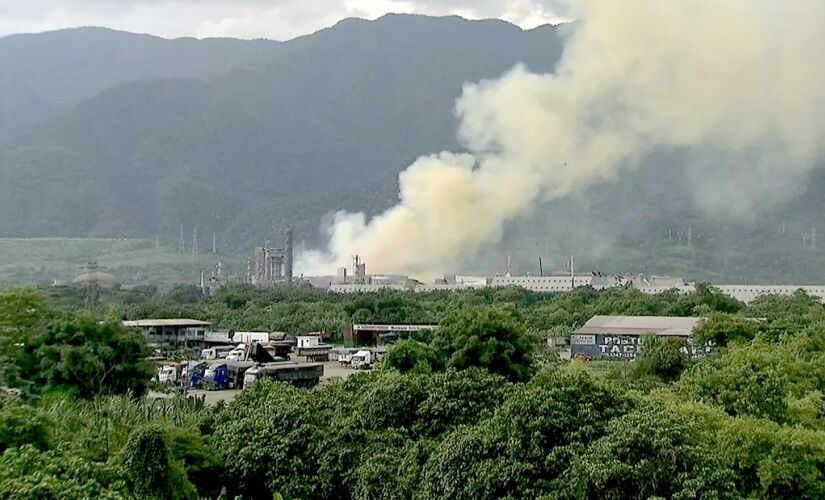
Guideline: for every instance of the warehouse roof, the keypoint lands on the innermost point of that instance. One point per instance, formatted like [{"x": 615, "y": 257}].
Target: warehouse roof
[
  {"x": 639, "y": 325},
  {"x": 182, "y": 323}
]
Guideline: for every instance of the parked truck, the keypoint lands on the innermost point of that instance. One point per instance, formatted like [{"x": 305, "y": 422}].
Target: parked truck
[
  {"x": 362, "y": 360},
  {"x": 218, "y": 352},
  {"x": 195, "y": 372},
  {"x": 249, "y": 337},
  {"x": 226, "y": 374},
  {"x": 167, "y": 375},
  {"x": 298, "y": 374},
  {"x": 367, "y": 358}
]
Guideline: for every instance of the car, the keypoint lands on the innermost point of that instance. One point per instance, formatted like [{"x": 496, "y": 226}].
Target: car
[{"x": 583, "y": 356}]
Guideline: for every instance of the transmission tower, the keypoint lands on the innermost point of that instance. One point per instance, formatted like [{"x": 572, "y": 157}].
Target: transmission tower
[
  {"x": 181, "y": 243},
  {"x": 195, "y": 242},
  {"x": 92, "y": 284}
]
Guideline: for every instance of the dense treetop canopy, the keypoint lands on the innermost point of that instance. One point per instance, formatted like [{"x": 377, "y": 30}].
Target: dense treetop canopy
[{"x": 477, "y": 409}]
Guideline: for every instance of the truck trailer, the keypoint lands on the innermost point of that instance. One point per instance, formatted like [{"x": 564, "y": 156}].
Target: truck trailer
[{"x": 298, "y": 374}]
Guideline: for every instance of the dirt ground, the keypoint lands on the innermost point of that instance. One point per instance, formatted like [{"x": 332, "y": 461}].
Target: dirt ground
[{"x": 332, "y": 370}]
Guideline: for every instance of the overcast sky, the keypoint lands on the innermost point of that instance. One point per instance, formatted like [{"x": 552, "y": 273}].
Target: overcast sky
[{"x": 275, "y": 19}]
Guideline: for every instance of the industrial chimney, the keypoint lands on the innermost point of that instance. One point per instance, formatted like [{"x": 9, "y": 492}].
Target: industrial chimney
[{"x": 288, "y": 255}]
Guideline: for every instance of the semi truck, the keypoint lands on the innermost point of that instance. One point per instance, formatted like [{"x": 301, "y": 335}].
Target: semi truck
[
  {"x": 167, "y": 375},
  {"x": 366, "y": 358},
  {"x": 226, "y": 374},
  {"x": 219, "y": 352},
  {"x": 361, "y": 360},
  {"x": 298, "y": 374}
]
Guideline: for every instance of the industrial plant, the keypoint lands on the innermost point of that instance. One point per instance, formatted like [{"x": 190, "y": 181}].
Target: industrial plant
[
  {"x": 360, "y": 282},
  {"x": 272, "y": 265}
]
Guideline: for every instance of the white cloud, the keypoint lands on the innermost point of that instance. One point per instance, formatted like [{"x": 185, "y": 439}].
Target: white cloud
[{"x": 275, "y": 19}]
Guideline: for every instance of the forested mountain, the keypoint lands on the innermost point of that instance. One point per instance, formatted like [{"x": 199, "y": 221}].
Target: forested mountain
[
  {"x": 326, "y": 122},
  {"x": 46, "y": 74},
  {"x": 111, "y": 134}
]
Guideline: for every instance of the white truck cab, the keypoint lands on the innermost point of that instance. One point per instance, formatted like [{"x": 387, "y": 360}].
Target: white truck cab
[
  {"x": 168, "y": 374},
  {"x": 362, "y": 360},
  {"x": 237, "y": 354}
]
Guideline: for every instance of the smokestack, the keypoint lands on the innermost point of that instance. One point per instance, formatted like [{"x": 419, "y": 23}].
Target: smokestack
[
  {"x": 288, "y": 255},
  {"x": 572, "y": 274}
]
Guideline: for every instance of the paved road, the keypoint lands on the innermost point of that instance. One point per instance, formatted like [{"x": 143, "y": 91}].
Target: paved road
[{"x": 332, "y": 370}]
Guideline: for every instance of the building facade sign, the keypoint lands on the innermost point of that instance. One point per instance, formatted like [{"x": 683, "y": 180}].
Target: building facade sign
[
  {"x": 623, "y": 347},
  {"x": 583, "y": 340}
]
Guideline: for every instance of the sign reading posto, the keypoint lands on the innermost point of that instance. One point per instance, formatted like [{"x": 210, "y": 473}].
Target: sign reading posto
[{"x": 606, "y": 346}]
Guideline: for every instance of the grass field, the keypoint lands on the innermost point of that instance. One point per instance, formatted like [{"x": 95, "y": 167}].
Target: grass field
[{"x": 26, "y": 261}]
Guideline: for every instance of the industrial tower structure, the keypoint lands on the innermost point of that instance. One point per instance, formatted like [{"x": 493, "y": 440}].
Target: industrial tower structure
[{"x": 273, "y": 265}]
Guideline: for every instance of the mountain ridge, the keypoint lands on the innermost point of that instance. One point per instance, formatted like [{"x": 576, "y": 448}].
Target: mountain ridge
[
  {"x": 296, "y": 130},
  {"x": 325, "y": 117}
]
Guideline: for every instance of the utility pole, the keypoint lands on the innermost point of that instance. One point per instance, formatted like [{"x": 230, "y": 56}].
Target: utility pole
[
  {"x": 541, "y": 269},
  {"x": 572, "y": 275},
  {"x": 288, "y": 255}
]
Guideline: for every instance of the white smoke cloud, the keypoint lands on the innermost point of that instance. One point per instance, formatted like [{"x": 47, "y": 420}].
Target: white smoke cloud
[{"x": 737, "y": 84}]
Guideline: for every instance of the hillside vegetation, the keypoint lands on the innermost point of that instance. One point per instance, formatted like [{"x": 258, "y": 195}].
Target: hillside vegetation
[
  {"x": 478, "y": 410},
  {"x": 106, "y": 134}
]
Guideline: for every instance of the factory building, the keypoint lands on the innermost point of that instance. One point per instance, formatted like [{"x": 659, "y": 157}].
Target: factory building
[
  {"x": 747, "y": 293},
  {"x": 554, "y": 283},
  {"x": 623, "y": 336},
  {"x": 358, "y": 281}
]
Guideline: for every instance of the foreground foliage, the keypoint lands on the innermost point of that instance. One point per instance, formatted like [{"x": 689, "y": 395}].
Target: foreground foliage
[{"x": 467, "y": 412}]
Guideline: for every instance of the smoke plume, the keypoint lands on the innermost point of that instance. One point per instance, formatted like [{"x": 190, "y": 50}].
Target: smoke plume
[{"x": 738, "y": 85}]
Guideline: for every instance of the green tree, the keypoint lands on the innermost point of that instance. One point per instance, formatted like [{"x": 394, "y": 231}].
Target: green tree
[
  {"x": 762, "y": 379},
  {"x": 410, "y": 356},
  {"x": 661, "y": 357},
  {"x": 456, "y": 398},
  {"x": 774, "y": 461},
  {"x": 486, "y": 338},
  {"x": 721, "y": 329},
  {"x": 28, "y": 473},
  {"x": 525, "y": 448},
  {"x": 149, "y": 469},
  {"x": 23, "y": 314},
  {"x": 88, "y": 358},
  {"x": 653, "y": 452},
  {"x": 21, "y": 424}
]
